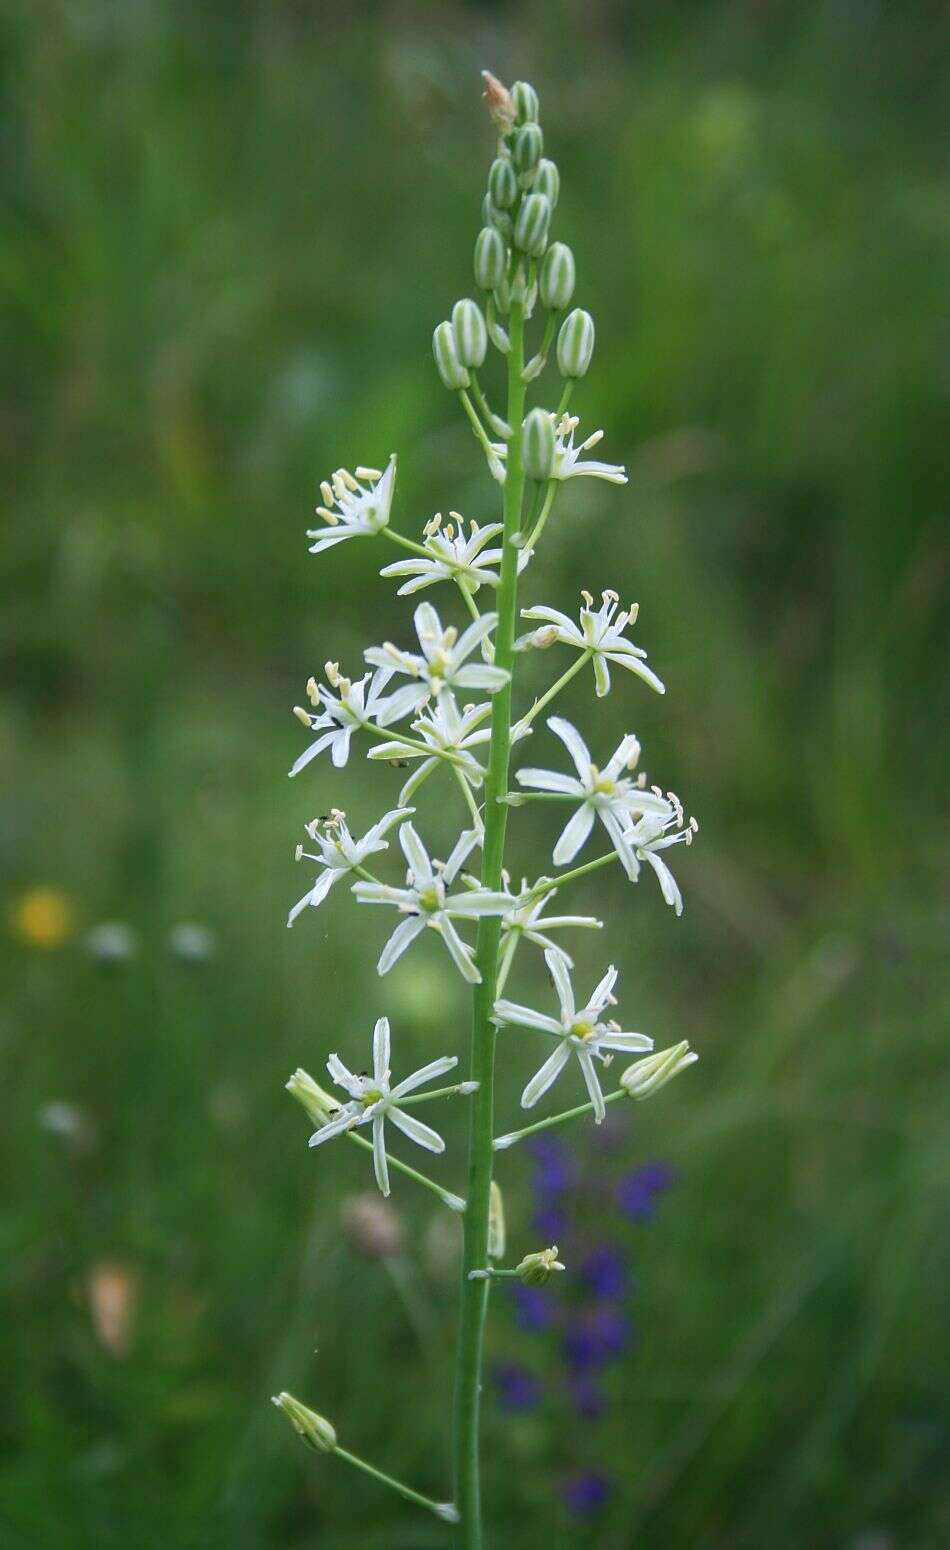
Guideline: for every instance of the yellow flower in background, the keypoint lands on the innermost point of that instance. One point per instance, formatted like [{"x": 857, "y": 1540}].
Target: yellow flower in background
[{"x": 43, "y": 917}]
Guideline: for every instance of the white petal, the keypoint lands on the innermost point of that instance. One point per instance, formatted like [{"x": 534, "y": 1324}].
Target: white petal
[
  {"x": 340, "y": 751},
  {"x": 461, "y": 850},
  {"x": 558, "y": 970},
  {"x": 477, "y": 631},
  {"x": 481, "y": 901},
  {"x": 382, "y": 893},
  {"x": 333, "y": 1127},
  {"x": 405, "y": 932},
  {"x": 602, "y": 991},
  {"x": 343, "y": 1077},
  {"x": 460, "y": 954},
  {"x": 381, "y": 1050},
  {"x": 593, "y": 1086},
  {"x": 384, "y": 824},
  {"x": 401, "y": 703},
  {"x": 425, "y": 1074},
  {"x": 416, "y": 779},
  {"x": 428, "y": 627},
  {"x": 312, "y": 751},
  {"x": 423, "y": 1135},
  {"x": 628, "y": 1042},
  {"x": 317, "y": 893},
  {"x": 635, "y": 665},
  {"x": 380, "y": 1163},
  {"x": 526, "y": 1017},
  {"x": 548, "y": 1074},
  {"x": 550, "y": 780},
  {"x": 575, "y": 834},
  {"x": 553, "y": 616},
  {"x": 601, "y": 676},
  {"x": 574, "y": 744},
  {"x": 668, "y": 883},
  {"x": 474, "y": 677},
  {"x": 417, "y": 856},
  {"x": 621, "y": 843}
]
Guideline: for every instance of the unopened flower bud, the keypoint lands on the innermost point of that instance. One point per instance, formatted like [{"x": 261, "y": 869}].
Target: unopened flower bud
[
  {"x": 471, "y": 336},
  {"x": 315, "y": 1429},
  {"x": 527, "y": 148},
  {"x": 372, "y": 1227},
  {"x": 502, "y": 183},
  {"x": 575, "y": 343},
  {"x": 525, "y": 100},
  {"x": 318, "y": 1104},
  {"x": 545, "y": 636},
  {"x": 646, "y": 1077},
  {"x": 547, "y": 180},
  {"x": 451, "y": 370},
  {"x": 537, "y": 445},
  {"x": 496, "y": 1223},
  {"x": 492, "y": 216},
  {"x": 536, "y": 1269},
  {"x": 556, "y": 281},
  {"x": 531, "y": 227},
  {"x": 491, "y": 258}
]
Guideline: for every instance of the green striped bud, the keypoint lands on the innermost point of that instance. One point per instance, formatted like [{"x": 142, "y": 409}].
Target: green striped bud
[
  {"x": 491, "y": 258},
  {"x": 646, "y": 1077},
  {"x": 471, "y": 336},
  {"x": 527, "y": 147},
  {"x": 547, "y": 180},
  {"x": 537, "y": 445},
  {"x": 531, "y": 227},
  {"x": 503, "y": 296},
  {"x": 575, "y": 344},
  {"x": 502, "y": 183},
  {"x": 453, "y": 373},
  {"x": 491, "y": 216},
  {"x": 315, "y": 1429},
  {"x": 556, "y": 280},
  {"x": 525, "y": 100}
]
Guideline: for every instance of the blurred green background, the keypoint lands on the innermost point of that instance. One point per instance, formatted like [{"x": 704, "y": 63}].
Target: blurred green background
[{"x": 229, "y": 230}]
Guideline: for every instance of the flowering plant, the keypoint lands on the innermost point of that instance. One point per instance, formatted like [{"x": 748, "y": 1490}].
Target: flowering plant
[{"x": 412, "y": 708}]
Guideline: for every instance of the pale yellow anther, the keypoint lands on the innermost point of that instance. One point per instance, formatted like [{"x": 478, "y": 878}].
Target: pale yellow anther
[
  {"x": 298, "y": 853},
  {"x": 313, "y": 691},
  {"x": 332, "y": 673},
  {"x": 588, "y": 598},
  {"x": 450, "y": 636},
  {"x": 326, "y": 492},
  {"x": 372, "y": 474},
  {"x": 610, "y": 596},
  {"x": 592, "y": 441},
  {"x": 632, "y": 613},
  {"x": 302, "y": 715},
  {"x": 330, "y": 517},
  {"x": 349, "y": 481}
]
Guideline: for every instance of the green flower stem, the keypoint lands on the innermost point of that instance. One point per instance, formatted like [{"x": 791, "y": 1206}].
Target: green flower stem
[
  {"x": 467, "y": 597},
  {"x": 437, "y": 1092},
  {"x": 550, "y": 883},
  {"x": 506, "y": 959},
  {"x": 555, "y": 688},
  {"x": 479, "y": 429},
  {"x": 390, "y": 735},
  {"x": 445, "y": 1195},
  {"x": 565, "y": 397},
  {"x": 439, "y": 1508},
  {"x": 491, "y": 1274},
  {"x": 469, "y": 798},
  {"x": 519, "y": 798},
  {"x": 407, "y": 543},
  {"x": 554, "y": 1119},
  {"x": 531, "y": 542},
  {"x": 494, "y": 421},
  {"x": 474, "y": 1294}
]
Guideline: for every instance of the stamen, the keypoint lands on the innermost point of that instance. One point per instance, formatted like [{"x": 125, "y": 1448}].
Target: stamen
[
  {"x": 372, "y": 474},
  {"x": 326, "y": 492},
  {"x": 330, "y": 517},
  {"x": 303, "y": 716}
]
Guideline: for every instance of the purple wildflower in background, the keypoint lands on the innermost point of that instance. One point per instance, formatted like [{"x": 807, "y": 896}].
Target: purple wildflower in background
[
  {"x": 555, "y": 1171},
  {"x": 535, "y": 1309},
  {"x": 585, "y": 1493},
  {"x": 637, "y": 1191},
  {"x": 518, "y": 1388},
  {"x": 595, "y": 1337},
  {"x": 586, "y": 1396},
  {"x": 604, "y": 1272},
  {"x": 550, "y": 1222}
]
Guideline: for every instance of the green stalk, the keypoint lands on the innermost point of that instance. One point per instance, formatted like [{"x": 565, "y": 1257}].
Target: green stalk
[{"x": 474, "y": 1295}]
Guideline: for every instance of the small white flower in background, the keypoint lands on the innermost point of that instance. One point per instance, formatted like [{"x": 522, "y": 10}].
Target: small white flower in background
[
  {"x": 339, "y": 853},
  {"x": 372, "y": 1100},
  {"x": 441, "y": 666},
  {"x": 354, "y": 507},
  {"x": 424, "y": 901},
  {"x": 192, "y": 941},
  {"x": 356, "y": 705},
  {"x": 603, "y": 794},
  {"x": 526, "y": 919},
  {"x": 600, "y": 634},
  {"x": 652, "y": 833},
  {"x": 112, "y": 941},
  {"x": 568, "y": 463},
  {"x": 446, "y": 730},
  {"x": 579, "y": 1033},
  {"x": 453, "y": 557}
]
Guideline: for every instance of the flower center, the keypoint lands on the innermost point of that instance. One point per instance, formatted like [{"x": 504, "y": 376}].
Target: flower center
[
  {"x": 430, "y": 898},
  {"x": 582, "y": 1028}
]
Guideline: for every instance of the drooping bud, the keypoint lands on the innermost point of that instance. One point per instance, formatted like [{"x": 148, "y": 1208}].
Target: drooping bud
[
  {"x": 556, "y": 281},
  {"x": 536, "y": 1269},
  {"x": 537, "y": 445},
  {"x": 526, "y": 104},
  {"x": 575, "y": 343},
  {"x": 502, "y": 183},
  {"x": 527, "y": 148},
  {"x": 491, "y": 258},
  {"x": 471, "y": 336},
  {"x": 646, "y": 1077},
  {"x": 318, "y": 1104},
  {"x": 496, "y": 1223},
  {"x": 547, "y": 180},
  {"x": 499, "y": 102},
  {"x": 453, "y": 373},
  {"x": 531, "y": 226},
  {"x": 492, "y": 216},
  {"x": 315, "y": 1430}
]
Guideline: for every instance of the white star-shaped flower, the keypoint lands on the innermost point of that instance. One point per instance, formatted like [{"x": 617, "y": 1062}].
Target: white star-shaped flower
[
  {"x": 373, "y": 1100},
  {"x": 453, "y": 557},
  {"x": 603, "y": 794},
  {"x": 526, "y": 919},
  {"x": 354, "y": 507},
  {"x": 579, "y": 1033},
  {"x": 356, "y": 706},
  {"x": 651, "y": 834},
  {"x": 600, "y": 634},
  {"x": 446, "y": 730},
  {"x": 339, "y": 853},
  {"x": 425, "y": 902},
  {"x": 568, "y": 463},
  {"x": 442, "y": 665}
]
